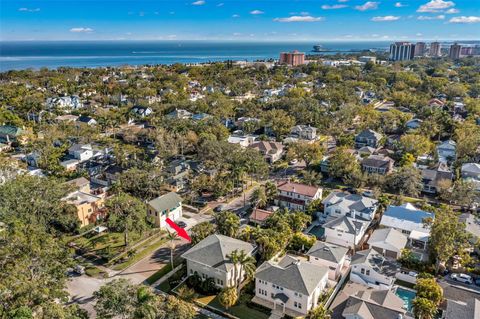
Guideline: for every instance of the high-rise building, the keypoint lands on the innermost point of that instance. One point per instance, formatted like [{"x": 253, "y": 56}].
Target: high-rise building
[
  {"x": 402, "y": 51},
  {"x": 455, "y": 50},
  {"x": 435, "y": 49},
  {"x": 467, "y": 51},
  {"x": 420, "y": 48},
  {"x": 292, "y": 58}
]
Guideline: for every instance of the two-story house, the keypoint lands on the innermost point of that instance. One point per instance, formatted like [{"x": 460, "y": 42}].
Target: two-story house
[
  {"x": 345, "y": 231},
  {"x": 271, "y": 151},
  {"x": 89, "y": 207},
  {"x": 377, "y": 164},
  {"x": 296, "y": 196},
  {"x": 163, "y": 207},
  {"x": 368, "y": 138},
  {"x": 210, "y": 259},
  {"x": 433, "y": 177},
  {"x": 290, "y": 286},
  {"x": 388, "y": 241},
  {"x": 329, "y": 255},
  {"x": 81, "y": 152},
  {"x": 370, "y": 268},
  {"x": 353, "y": 205},
  {"x": 406, "y": 218},
  {"x": 471, "y": 173},
  {"x": 304, "y": 132}
]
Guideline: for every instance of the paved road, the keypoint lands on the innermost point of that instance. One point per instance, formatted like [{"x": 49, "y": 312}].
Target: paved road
[{"x": 454, "y": 283}]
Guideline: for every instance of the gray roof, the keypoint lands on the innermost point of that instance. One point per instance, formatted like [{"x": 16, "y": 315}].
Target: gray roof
[
  {"x": 377, "y": 161},
  {"x": 388, "y": 238},
  {"x": 470, "y": 309},
  {"x": 213, "y": 251},
  {"x": 370, "y": 134},
  {"x": 367, "y": 302},
  {"x": 376, "y": 261},
  {"x": 294, "y": 274},
  {"x": 327, "y": 251},
  {"x": 351, "y": 202},
  {"x": 349, "y": 225},
  {"x": 165, "y": 202}
]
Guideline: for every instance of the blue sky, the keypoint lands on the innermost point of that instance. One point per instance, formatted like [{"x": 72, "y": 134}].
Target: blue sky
[{"x": 239, "y": 20}]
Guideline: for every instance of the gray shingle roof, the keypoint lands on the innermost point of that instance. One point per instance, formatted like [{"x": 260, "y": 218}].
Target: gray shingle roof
[
  {"x": 213, "y": 250},
  {"x": 388, "y": 238},
  {"x": 327, "y": 251},
  {"x": 469, "y": 310},
  {"x": 296, "y": 275},
  {"x": 376, "y": 261},
  {"x": 349, "y": 225},
  {"x": 165, "y": 202}
]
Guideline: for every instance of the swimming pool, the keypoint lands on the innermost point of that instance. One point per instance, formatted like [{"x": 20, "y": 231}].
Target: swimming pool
[
  {"x": 407, "y": 296},
  {"x": 317, "y": 231}
]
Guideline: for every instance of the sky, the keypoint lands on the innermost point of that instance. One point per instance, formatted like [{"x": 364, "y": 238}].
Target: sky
[{"x": 242, "y": 20}]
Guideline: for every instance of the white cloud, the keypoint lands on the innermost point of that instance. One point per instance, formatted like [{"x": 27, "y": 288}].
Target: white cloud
[
  {"x": 369, "y": 5},
  {"x": 235, "y": 16},
  {"x": 439, "y": 17},
  {"x": 464, "y": 19},
  {"x": 400, "y": 5},
  {"x": 198, "y": 3},
  {"x": 452, "y": 11},
  {"x": 29, "y": 10},
  {"x": 436, "y": 6},
  {"x": 385, "y": 18},
  {"x": 256, "y": 12},
  {"x": 299, "y": 19},
  {"x": 333, "y": 7},
  {"x": 81, "y": 30}
]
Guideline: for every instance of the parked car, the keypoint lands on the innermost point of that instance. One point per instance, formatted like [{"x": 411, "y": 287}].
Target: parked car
[
  {"x": 466, "y": 279},
  {"x": 181, "y": 224},
  {"x": 220, "y": 208}
]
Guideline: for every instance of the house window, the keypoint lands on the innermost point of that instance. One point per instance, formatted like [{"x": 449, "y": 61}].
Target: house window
[
  {"x": 299, "y": 306},
  {"x": 295, "y": 304},
  {"x": 368, "y": 272},
  {"x": 362, "y": 271},
  {"x": 191, "y": 271}
]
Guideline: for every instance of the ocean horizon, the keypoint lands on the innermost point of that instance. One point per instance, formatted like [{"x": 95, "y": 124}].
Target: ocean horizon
[{"x": 18, "y": 55}]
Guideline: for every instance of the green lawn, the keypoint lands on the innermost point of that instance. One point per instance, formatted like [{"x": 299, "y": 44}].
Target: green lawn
[{"x": 241, "y": 310}]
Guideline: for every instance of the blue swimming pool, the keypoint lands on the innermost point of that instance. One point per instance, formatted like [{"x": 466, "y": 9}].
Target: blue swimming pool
[{"x": 407, "y": 296}]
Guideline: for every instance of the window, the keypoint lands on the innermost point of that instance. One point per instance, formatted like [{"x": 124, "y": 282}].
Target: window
[
  {"x": 191, "y": 271},
  {"x": 368, "y": 272},
  {"x": 362, "y": 271},
  {"x": 295, "y": 304},
  {"x": 299, "y": 305}
]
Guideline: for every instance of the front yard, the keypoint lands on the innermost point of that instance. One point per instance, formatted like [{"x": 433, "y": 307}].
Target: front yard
[{"x": 243, "y": 309}]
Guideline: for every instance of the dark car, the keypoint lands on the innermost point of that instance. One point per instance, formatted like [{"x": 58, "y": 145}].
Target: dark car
[
  {"x": 181, "y": 224},
  {"x": 220, "y": 208}
]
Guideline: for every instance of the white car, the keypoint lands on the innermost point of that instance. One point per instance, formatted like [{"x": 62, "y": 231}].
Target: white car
[{"x": 466, "y": 279}]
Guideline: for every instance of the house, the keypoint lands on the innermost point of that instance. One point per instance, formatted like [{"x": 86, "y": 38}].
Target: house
[
  {"x": 296, "y": 196},
  {"x": 447, "y": 151},
  {"x": 472, "y": 226},
  {"x": 465, "y": 309},
  {"x": 9, "y": 133},
  {"x": 471, "y": 172},
  {"x": 388, "y": 241},
  {"x": 179, "y": 114},
  {"x": 368, "y": 138},
  {"x": 413, "y": 124},
  {"x": 372, "y": 269},
  {"x": 345, "y": 231},
  {"x": 200, "y": 116},
  {"x": 242, "y": 140},
  {"x": 141, "y": 111},
  {"x": 82, "y": 184},
  {"x": 366, "y": 151},
  {"x": 67, "y": 118},
  {"x": 70, "y": 164},
  {"x": 352, "y": 205},
  {"x": 291, "y": 286},
  {"x": 329, "y": 255},
  {"x": 81, "y": 152},
  {"x": 271, "y": 151},
  {"x": 436, "y": 103},
  {"x": 163, "y": 207},
  {"x": 258, "y": 216},
  {"x": 406, "y": 218},
  {"x": 304, "y": 132},
  {"x": 209, "y": 259},
  {"x": 432, "y": 177},
  {"x": 87, "y": 120},
  {"x": 377, "y": 164},
  {"x": 357, "y": 301},
  {"x": 89, "y": 207},
  {"x": 70, "y": 102}
]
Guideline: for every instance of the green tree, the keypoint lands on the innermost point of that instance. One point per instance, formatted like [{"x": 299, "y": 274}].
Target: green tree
[
  {"x": 228, "y": 297},
  {"x": 319, "y": 312},
  {"x": 416, "y": 144},
  {"x": 309, "y": 152},
  {"x": 259, "y": 197},
  {"x": 228, "y": 223},
  {"x": 279, "y": 121},
  {"x": 172, "y": 237},
  {"x": 247, "y": 266},
  {"x": 343, "y": 164},
  {"x": 424, "y": 308},
  {"x": 406, "y": 180},
  {"x": 429, "y": 288},
  {"x": 201, "y": 231},
  {"x": 126, "y": 214}
]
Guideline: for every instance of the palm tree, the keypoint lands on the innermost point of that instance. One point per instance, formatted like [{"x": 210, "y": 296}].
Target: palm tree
[
  {"x": 234, "y": 259},
  {"x": 320, "y": 312},
  {"x": 247, "y": 264},
  {"x": 172, "y": 237},
  {"x": 259, "y": 197},
  {"x": 228, "y": 297}
]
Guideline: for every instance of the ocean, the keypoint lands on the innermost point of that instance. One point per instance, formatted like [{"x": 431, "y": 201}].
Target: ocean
[{"x": 54, "y": 54}]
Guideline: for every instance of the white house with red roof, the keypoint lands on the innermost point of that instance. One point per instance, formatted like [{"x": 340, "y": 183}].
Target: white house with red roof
[{"x": 296, "y": 196}]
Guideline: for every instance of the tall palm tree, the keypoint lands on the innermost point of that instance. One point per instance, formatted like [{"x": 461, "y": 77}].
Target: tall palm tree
[
  {"x": 172, "y": 237},
  {"x": 247, "y": 264},
  {"x": 234, "y": 259}
]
